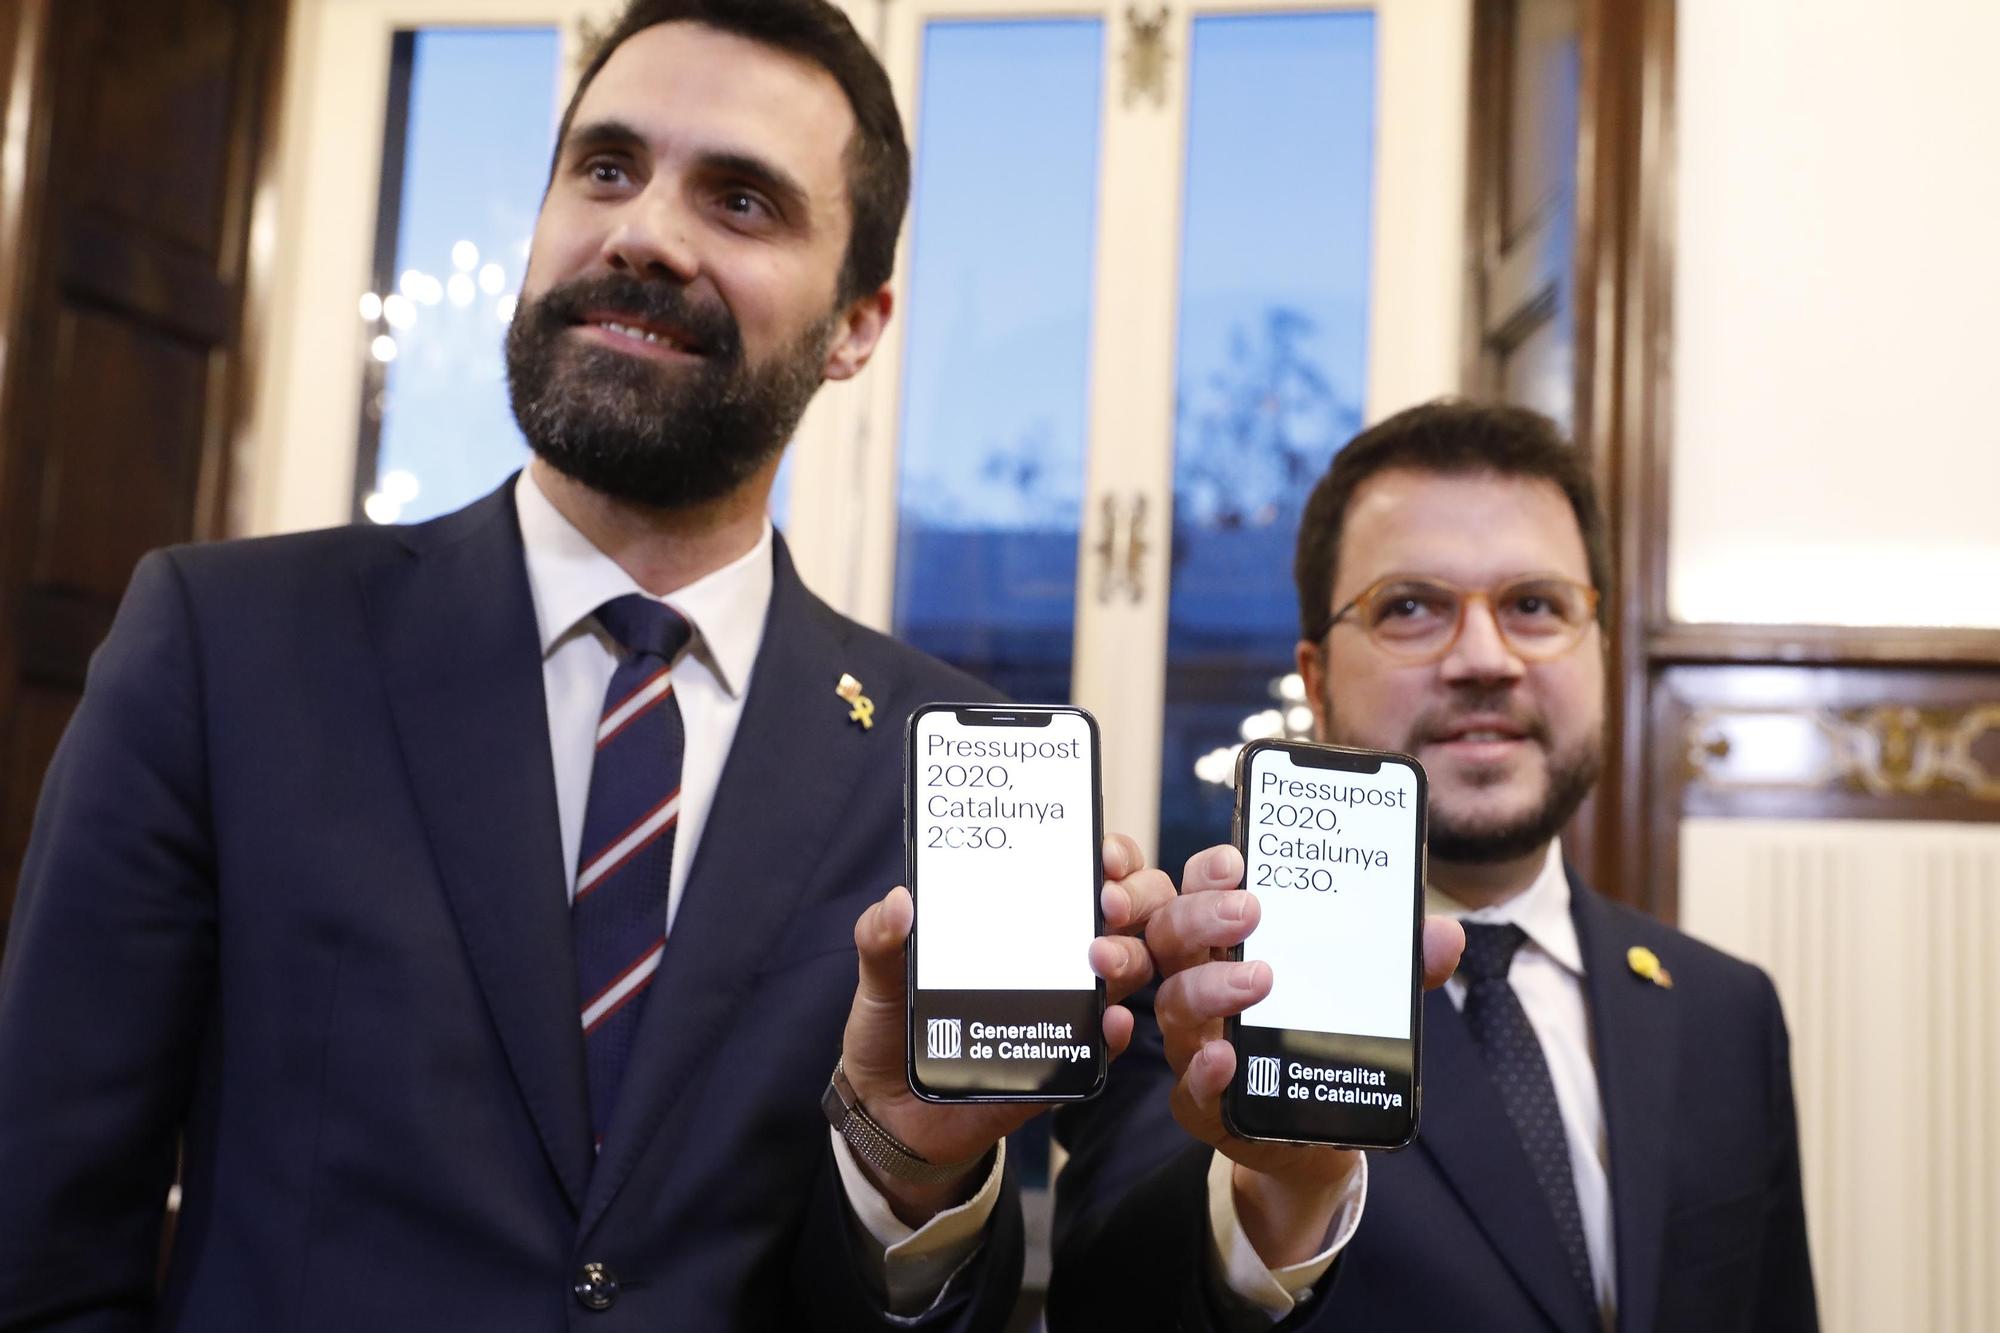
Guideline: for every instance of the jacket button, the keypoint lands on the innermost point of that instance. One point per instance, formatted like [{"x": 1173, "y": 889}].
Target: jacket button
[{"x": 596, "y": 1287}]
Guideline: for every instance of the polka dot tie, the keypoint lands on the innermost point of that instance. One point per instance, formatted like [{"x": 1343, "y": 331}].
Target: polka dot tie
[{"x": 1521, "y": 1075}]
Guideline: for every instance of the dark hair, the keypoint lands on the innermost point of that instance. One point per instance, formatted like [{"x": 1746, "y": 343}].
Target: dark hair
[
  {"x": 878, "y": 159},
  {"x": 1455, "y": 437}
]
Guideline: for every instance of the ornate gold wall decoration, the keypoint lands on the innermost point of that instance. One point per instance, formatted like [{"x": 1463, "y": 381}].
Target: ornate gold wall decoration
[
  {"x": 1885, "y": 750},
  {"x": 1146, "y": 56}
]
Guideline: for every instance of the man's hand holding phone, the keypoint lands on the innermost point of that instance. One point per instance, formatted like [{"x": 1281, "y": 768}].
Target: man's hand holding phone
[
  {"x": 1286, "y": 1193},
  {"x": 873, "y": 1053}
]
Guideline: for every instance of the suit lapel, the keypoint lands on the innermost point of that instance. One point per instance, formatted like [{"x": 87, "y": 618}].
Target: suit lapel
[
  {"x": 1634, "y": 1027},
  {"x": 1465, "y": 1130},
  {"x": 455, "y": 628},
  {"x": 792, "y": 765}
]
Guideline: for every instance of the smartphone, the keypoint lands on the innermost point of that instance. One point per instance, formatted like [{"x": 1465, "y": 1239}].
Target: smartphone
[
  {"x": 1003, "y": 836},
  {"x": 1333, "y": 847}
]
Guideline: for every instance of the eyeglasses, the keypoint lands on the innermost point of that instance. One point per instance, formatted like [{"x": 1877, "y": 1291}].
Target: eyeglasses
[{"x": 1419, "y": 619}]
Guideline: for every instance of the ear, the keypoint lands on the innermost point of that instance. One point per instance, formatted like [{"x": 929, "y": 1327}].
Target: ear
[
  {"x": 858, "y": 333},
  {"x": 1312, "y": 670}
]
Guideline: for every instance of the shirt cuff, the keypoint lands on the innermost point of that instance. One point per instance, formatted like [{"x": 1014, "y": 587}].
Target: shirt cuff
[
  {"x": 910, "y": 1267},
  {"x": 1275, "y": 1291}
]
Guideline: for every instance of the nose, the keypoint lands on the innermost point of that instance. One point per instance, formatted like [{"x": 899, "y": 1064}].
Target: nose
[
  {"x": 1481, "y": 651},
  {"x": 651, "y": 237}
]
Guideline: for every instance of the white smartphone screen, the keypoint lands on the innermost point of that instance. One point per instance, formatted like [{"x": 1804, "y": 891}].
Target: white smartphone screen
[
  {"x": 1005, "y": 867},
  {"x": 1332, "y": 844},
  {"x": 1328, "y": 855}
]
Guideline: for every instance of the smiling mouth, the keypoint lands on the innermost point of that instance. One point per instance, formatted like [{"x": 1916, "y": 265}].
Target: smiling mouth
[
  {"x": 1488, "y": 736},
  {"x": 665, "y": 339}
]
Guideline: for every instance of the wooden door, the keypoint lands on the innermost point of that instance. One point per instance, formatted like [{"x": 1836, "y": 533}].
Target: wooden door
[{"x": 135, "y": 138}]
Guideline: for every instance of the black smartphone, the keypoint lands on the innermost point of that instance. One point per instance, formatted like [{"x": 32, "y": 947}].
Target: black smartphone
[
  {"x": 1003, "y": 834},
  {"x": 1333, "y": 847}
]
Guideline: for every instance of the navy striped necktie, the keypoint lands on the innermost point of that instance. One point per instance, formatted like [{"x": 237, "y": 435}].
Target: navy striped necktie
[
  {"x": 1500, "y": 1025},
  {"x": 618, "y": 916}
]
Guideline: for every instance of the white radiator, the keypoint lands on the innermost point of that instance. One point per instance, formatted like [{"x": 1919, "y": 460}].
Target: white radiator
[{"x": 1884, "y": 940}]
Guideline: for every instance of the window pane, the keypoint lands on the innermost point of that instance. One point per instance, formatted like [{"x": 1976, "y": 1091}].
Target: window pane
[
  {"x": 1538, "y": 371},
  {"x": 1542, "y": 112},
  {"x": 1272, "y": 366},
  {"x": 781, "y": 492},
  {"x": 479, "y": 128},
  {"x": 995, "y": 375}
]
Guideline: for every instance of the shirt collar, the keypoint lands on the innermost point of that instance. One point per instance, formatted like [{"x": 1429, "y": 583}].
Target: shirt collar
[
  {"x": 1541, "y": 911},
  {"x": 569, "y": 579}
]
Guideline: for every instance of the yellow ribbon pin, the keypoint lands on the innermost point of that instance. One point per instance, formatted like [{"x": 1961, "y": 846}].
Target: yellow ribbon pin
[
  {"x": 1645, "y": 963},
  {"x": 863, "y": 708}
]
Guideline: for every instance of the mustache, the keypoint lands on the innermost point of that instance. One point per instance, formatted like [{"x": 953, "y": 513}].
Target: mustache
[
  {"x": 1435, "y": 723},
  {"x": 708, "y": 325}
]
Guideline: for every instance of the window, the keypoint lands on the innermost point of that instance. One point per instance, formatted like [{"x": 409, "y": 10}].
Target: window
[{"x": 462, "y": 176}]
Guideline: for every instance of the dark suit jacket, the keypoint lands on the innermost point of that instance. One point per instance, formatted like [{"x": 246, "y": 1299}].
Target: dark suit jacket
[
  {"x": 1708, "y": 1221},
  {"x": 296, "y": 893}
]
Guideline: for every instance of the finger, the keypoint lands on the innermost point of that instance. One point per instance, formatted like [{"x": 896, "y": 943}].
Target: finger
[
  {"x": 1122, "y": 857},
  {"x": 1117, "y": 1030},
  {"x": 878, "y": 938},
  {"x": 1186, "y": 931},
  {"x": 1196, "y": 1096},
  {"x": 1219, "y": 867},
  {"x": 1210, "y": 993},
  {"x": 1191, "y": 1005},
  {"x": 1444, "y": 940},
  {"x": 1130, "y": 902},
  {"x": 1123, "y": 962},
  {"x": 1208, "y": 1074}
]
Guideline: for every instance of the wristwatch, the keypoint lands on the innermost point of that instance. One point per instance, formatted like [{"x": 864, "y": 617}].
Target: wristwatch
[{"x": 876, "y": 1145}]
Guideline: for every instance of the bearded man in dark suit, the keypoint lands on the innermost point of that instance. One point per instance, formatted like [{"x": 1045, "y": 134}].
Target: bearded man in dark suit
[{"x": 473, "y": 908}]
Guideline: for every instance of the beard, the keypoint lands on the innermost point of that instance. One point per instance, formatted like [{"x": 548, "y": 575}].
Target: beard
[
  {"x": 1470, "y": 840},
  {"x": 669, "y": 437}
]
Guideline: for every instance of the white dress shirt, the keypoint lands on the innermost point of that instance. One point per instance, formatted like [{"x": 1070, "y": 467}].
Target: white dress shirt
[
  {"x": 568, "y": 579},
  {"x": 1547, "y": 975},
  {"x": 1272, "y": 1292}
]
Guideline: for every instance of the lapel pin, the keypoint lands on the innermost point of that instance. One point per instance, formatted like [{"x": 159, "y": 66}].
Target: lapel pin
[
  {"x": 863, "y": 710},
  {"x": 1645, "y": 963}
]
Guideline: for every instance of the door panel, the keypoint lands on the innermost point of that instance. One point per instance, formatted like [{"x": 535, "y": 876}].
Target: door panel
[
  {"x": 1231, "y": 335},
  {"x": 123, "y": 371},
  {"x": 123, "y": 477},
  {"x": 996, "y": 378},
  {"x": 1272, "y": 368}
]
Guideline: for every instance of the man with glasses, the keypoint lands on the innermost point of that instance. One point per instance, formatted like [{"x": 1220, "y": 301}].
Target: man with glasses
[{"x": 1607, "y": 1136}]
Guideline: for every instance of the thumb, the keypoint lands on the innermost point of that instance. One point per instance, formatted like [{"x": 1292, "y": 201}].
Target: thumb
[
  {"x": 1444, "y": 941},
  {"x": 879, "y": 937}
]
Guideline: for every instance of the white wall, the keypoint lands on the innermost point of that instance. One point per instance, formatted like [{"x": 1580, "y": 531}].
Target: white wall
[{"x": 1836, "y": 449}]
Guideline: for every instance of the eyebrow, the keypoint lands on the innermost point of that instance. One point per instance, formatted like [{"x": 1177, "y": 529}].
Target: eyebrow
[
  {"x": 600, "y": 134},
  {"x": 791, "y": 196},
  {"x": 766, "y": 176}
]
